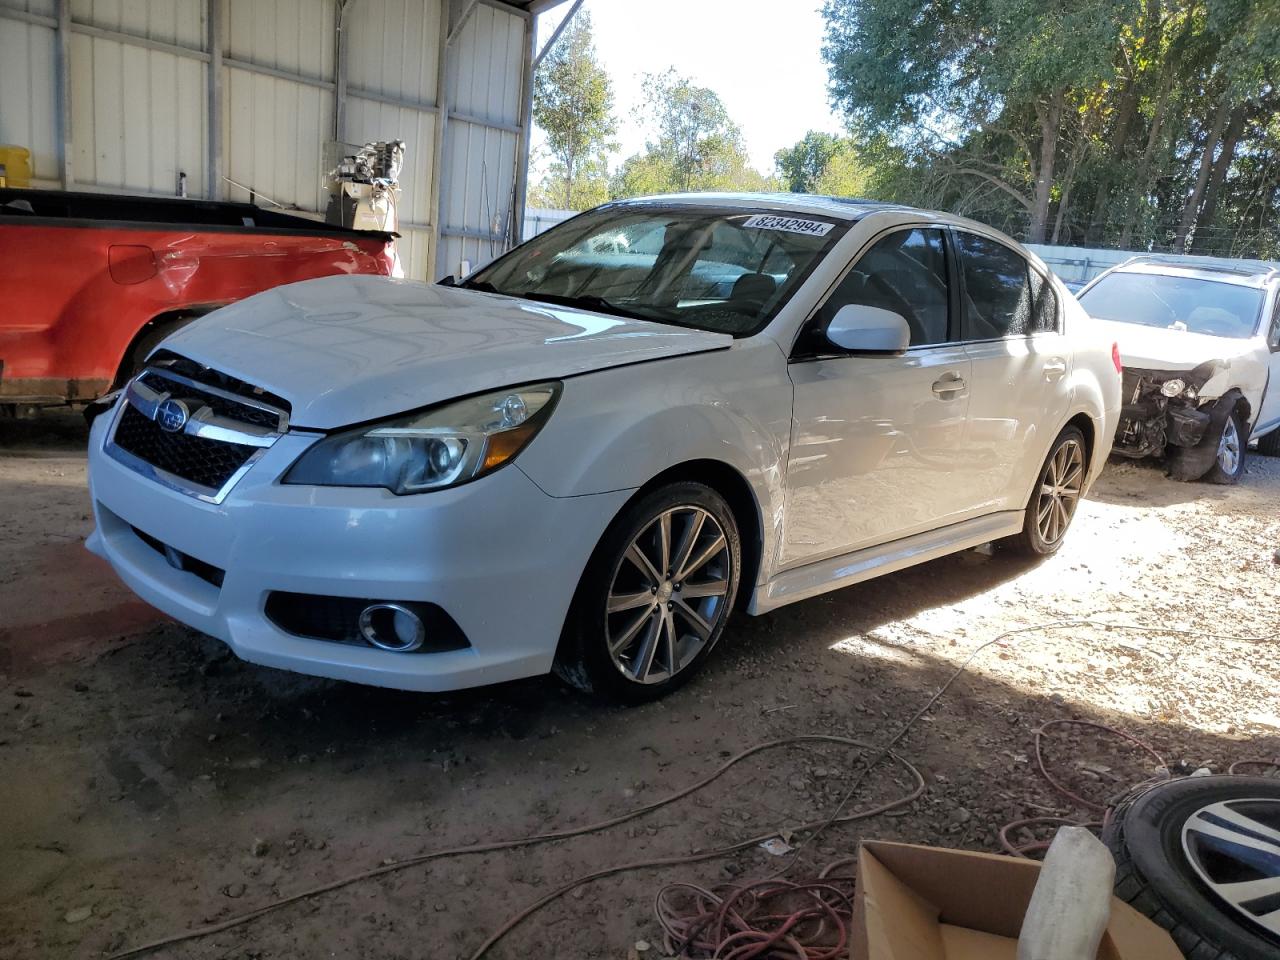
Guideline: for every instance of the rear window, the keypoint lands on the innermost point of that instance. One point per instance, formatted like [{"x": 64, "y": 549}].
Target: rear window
[{"x": 1176, "y": 303}]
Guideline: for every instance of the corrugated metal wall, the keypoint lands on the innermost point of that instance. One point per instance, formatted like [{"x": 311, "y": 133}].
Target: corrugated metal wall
[
  {"x": 138, "y": 78},
  {"x": 483, "y": 142},
  {"x": 138, "y": 114},
  {"x": 274, "y": 129},
  {"x": 27, "y": 63},
  {"x": 393, "y": 51}
]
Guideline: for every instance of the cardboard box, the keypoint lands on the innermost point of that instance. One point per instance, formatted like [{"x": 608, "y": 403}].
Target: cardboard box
[{"x": 925, "y": 903}]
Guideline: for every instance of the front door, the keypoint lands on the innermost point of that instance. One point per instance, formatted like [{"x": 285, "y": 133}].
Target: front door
[{"x": 877, "y": 441}]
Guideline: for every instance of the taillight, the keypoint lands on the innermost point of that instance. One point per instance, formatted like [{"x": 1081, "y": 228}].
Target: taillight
[{"x": 1115, "y": 358}]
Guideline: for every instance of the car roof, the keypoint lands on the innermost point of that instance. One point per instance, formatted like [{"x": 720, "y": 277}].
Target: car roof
[
  {"x": 841, "y": 208},
  {"x": 1242, "y": 273}
]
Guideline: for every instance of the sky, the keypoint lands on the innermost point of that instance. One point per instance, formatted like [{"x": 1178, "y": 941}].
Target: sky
[{"x": 761, "y": 57}]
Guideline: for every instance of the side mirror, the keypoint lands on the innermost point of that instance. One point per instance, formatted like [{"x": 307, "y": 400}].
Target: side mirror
[{"x": 862, "y": 329}]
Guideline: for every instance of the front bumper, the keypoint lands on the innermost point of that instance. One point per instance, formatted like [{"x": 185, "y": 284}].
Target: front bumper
[
  {"x": 1150, "y": 422},
  {"x": 498, "y": 555}
]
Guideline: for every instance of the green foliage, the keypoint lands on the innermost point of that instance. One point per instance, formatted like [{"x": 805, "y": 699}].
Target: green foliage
[
  {"x": 823, "y": 163},
  {"x": 573, "y": 104},
  {"x": 694, "y": 145},
  {"x": 1142, "y": 123},
  {"x": 800, "y": 166}
]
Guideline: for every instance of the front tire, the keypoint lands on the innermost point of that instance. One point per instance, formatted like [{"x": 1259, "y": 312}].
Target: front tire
[
  {"x": 655, "y": 596},
  {"x": 1223, "y": 448},
  {"x": 1053, "y": 503}
]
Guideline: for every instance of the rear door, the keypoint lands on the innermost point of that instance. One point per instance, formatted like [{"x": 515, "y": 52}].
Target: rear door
[
  {"x": 876, "y": 450},
  {"x": 1020, "y": 384}
]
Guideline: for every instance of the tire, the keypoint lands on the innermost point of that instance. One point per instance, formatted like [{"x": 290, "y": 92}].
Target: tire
[
  {"x": 146, "y": 341},
  {"x": 1269, "y": 446},
  {"x": 1208, "y": 460},
  {"x": 656, "y": 616},
  {"x": 1043, "y": 534},
  {"x": 1155, "y": 875}
]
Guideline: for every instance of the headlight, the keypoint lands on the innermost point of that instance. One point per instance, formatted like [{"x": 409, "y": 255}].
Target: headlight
[
  {"x": 437, "y": 448},
  {"x": 1173, "y": 388}
]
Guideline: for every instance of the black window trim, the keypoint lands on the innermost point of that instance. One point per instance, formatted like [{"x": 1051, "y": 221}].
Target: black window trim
[
  {"x": 1060, "y": 315},
  {"x": 953, "y": 297},
  {"x": 1272, "y": 331}
]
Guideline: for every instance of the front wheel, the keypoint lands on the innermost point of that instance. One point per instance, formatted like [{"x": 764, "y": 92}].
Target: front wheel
[
  {"x": 1219, "y": 456},
  {"x": 655, "y": 596},
  {"x": 1056, "y": 496}
]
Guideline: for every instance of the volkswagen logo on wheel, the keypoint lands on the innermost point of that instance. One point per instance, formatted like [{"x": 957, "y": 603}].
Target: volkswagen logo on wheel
[{"x": 172, "y": 415}]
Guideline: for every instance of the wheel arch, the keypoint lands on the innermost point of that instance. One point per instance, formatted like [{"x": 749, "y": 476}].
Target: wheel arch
[
  {"x": 159, "y": 324},
  {"x": 1089, "y": 428},
  {"x": 729, "y": 482}
]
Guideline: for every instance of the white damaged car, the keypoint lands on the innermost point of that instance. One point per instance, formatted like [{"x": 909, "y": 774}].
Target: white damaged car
[{"x": 1201, "y": 351}]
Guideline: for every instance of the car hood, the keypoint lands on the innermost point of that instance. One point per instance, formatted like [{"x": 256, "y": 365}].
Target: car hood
[
  {"x": 1159, "y": 348},
  {"x": 348, "y": 349}
]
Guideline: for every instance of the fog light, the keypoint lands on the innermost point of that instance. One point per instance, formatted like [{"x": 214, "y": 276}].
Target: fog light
[
  {"x": 1172, "y": 388},
  {"x": 392, "y": 626}
]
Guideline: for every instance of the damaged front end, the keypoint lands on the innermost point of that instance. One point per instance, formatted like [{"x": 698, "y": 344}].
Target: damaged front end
[{"x": 1163, "y": 408}]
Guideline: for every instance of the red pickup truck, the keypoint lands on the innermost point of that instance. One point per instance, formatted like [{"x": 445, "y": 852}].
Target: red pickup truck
[{"x": 90, "y": 283}]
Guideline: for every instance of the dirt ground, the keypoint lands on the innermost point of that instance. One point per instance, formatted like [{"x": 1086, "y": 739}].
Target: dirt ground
[{"x": 151, "y": 783}]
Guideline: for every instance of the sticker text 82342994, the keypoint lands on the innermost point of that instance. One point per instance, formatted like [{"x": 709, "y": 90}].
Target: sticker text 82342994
[{"x": 814, "y": 228}]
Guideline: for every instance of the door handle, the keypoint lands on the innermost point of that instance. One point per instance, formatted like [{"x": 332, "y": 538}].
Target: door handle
[
  {"x": 949, "y": 386},
  {"x": 1055, "y": 369}
]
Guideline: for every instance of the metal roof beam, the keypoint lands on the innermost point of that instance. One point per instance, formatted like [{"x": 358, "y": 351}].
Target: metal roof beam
[{"x": 551, "y": 41}]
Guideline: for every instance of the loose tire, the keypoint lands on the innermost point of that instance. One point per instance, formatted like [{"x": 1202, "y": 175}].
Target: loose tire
[
  {"x": 1055, "y": 498},
  {"x": 1177, "y": 844},
  {"x": 655, "y": 596},
  {"x": 1222, "y": 448}
]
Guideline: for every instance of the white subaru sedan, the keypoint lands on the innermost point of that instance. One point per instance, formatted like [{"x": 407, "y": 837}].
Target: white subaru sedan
[{"x": 583, "y": 457}]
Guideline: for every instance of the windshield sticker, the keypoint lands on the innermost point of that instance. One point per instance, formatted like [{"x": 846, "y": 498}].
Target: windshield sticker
[{"x": 814, "y": 228}]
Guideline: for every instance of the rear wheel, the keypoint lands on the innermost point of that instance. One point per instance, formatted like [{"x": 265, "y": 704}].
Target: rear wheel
[
  {"x": 655, "y": 596},
  {"x": 1056, "y": 496}
]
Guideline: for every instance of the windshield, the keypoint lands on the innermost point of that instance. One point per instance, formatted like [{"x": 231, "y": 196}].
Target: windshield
[
  {"x": 1178, "y": 303},
  {"x": 724, "y": 270}
]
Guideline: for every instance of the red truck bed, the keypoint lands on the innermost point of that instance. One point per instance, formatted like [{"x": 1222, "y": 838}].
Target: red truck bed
[{"x": 89, "y": 283}]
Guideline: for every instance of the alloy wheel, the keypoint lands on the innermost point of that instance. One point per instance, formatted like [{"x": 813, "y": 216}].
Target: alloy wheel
[
  {"x": 1234, "y": 848},
  {"x": 668, "y": 593},
  {"x": 1229, "y": 447},
  {"x": 1060, "y": 488}
]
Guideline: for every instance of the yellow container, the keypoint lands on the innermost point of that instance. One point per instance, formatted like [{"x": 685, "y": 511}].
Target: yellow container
[{"x": 15, "y": 166}]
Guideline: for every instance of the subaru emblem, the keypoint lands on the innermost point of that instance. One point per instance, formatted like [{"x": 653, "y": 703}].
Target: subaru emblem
[{"x": 172, "y": 415}]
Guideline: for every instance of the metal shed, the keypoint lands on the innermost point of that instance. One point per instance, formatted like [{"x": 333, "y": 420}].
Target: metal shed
[{"x": 127, "y": 96}]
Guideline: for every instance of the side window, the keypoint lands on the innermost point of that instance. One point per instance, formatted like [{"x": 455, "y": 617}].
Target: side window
[
  {"x": 905, "y": 272},
  {"x": 1273, "y": 334},
  {"x": 1044, "y": 305},
  {"x": 997, "y": 289}
]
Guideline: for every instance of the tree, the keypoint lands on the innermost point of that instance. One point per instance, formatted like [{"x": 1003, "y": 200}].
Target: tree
[
  {"x": 694, "y": 144},
  {"x": 801, "y": 165},
  {"x": 823, "y": 163},
  {"x": 1129, "y": 122},
  {"x": 573, "y": 104}
]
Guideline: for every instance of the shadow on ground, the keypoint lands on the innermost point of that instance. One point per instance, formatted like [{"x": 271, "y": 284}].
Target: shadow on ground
[{"x": 164, "y": 783}]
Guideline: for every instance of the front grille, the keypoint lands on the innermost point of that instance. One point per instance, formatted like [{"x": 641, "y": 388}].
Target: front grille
[
  {"x": 223, "y": 406},
  {"x": 240, "y": 419},
  {"x": 206, "y": 463},
  {"x": 337, "y": 619}
]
